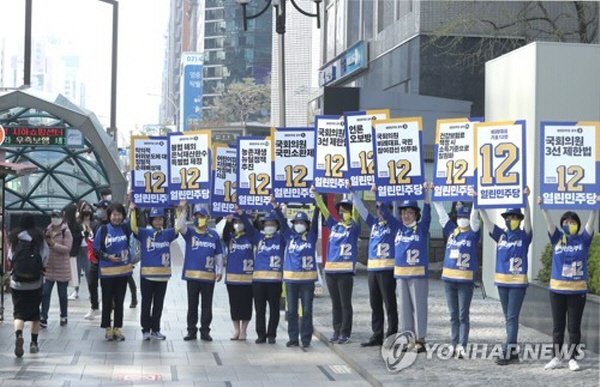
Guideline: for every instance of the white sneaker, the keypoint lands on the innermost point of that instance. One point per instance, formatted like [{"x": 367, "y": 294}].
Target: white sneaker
[
  {"x": 554, "y": 363},
  {"x": 459, "y": 353},
  {"x": 146, "y": 336},
  {"x": 573, "y": 366},
  {"x": 74, "y": 296},
  {"x": 91, "y": 314}
]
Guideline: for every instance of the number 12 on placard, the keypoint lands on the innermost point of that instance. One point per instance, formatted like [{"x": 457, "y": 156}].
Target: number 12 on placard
[{"x": 509, "y": 153}]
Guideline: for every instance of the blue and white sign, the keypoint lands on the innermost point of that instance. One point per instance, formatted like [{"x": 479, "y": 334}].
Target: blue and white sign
[
  {"x": 347, "y": 63},
  {"x": 224, "y": 196},
  {"x": 294, "y": 152},
  {"x": 149, "y": 171},
  {"x": 191, "y": 91}
]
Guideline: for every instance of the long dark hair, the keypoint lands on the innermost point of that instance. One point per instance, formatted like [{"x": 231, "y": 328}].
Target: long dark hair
[
  {"x": 26, "y": 223},
  {"x": 69, "y": 212},
  {"x": 81, "y": 205}
]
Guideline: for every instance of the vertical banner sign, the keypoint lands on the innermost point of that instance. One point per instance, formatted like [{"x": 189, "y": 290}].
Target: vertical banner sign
[
  {"x": 149, "y": 167},
  {"x": 223, "y": 197},
  {"x": 255, "y": 162},
  {"x": 570, "y": 165},
  {"x": 360, "y": 147},
  {"x": 190, "y": 109},
  {"x": 189, "y": 155},
  {"x": 501, "y": 168},
  {"x": 331, "y": 166},
  {"x": 399, "y": 173},
  {"x": 454, "y": 166},
  {"x": 294, "y": 152}
]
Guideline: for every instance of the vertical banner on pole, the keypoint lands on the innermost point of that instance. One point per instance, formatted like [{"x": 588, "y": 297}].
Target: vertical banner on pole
[
  {"x": 570, "y": 165},
  {"x": 149, "y": 171},
  {"x": 294, "y": 153},
  {"x": 190, "y": 172},
  {"x": 399, "y": 172},
  {"x": 190, "y": 109},
  {"x": 224, "y": 197},
  {"x": 359, "y": 133},
  {"x": 454, "y": 166},
  {"x": 331, "y": 166},
  {"x": 255, "y": 163},
  {"x": 501, "y": 168}
]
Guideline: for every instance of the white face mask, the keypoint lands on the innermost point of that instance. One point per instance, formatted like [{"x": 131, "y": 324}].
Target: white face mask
[
  {"x": 412, "y": 224},
  {"x": 108, "y": 197},
  {"x": 463, "y": 222},
  {"x": 300, "y": 228},
  {"x": 270, "y": 230},
  {"x": 56, "y": 221},
  {"x": 239, "y": 227}
]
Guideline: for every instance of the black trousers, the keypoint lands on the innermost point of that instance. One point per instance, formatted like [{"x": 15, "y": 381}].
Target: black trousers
[
  {"x": 113, "y": 291},
  {"x": 132, "y": 289},
  {"x": 382, "y": 292},
  {"x": 266, "y": 292},
  {"x": 564, "y": 305},
  {"x": 153, "y": 300},
  {"x": 340, "y": 289},
  {"x": 92, "y": 280},
  {"x": 194, "y": 290}
]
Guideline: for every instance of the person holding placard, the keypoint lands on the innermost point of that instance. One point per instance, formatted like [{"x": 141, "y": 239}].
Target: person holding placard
[
  {"x": 267, "y": 276},
  {"x": 240, "y": 266},
  {"x": 458, "y": 273},
  {"x": 155, "y": 268},
  {"x": 299, "y": 272},
  {"x": 380, "y": 268},
  {"x": 510, "y": 277},
  {"x": 341, "y": 262},
  {"x": 202, "y": 265},
  {"x": 411, "y": 268},
  {"x": 568, "y": 281}
]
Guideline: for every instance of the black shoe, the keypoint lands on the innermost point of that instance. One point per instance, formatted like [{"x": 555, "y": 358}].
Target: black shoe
[
  {"x": 305, "y": 345},
  {"x": 19, "y": 346},
  {"x": 372, "y": 342},
  {"x": 205, "y": 337},
  {"x": 133, "y": 305},
  {"x": 271, "y": 340},
  {"x": 190, "y": 337},
  {"x": 43, "y": 323},
  {"x": 292, "y": 343},
  {"x": 261, "y": 340},
  {"x": 511, "y": 360}
]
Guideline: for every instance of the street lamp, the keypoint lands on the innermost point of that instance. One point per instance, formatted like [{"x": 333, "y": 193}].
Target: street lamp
[{"x": 279, "y": 6}]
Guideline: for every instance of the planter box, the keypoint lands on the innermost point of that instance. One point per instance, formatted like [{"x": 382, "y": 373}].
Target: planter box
[{"x": 536, "y": 314}]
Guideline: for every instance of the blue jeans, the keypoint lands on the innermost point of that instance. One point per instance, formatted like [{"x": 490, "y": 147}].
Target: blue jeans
[
  {"x": 47, "y": 294},
  {"x": 511, "y": 299},
  {"x": 305, "y": 292},
  {"x": 458, "y": 298}
]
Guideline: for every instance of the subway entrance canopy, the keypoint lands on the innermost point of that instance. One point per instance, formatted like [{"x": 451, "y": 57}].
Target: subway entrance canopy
[{"x": 74, "y": 156}]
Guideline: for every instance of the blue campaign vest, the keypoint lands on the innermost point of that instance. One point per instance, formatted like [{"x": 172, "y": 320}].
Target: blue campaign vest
[
  {"x": 115, "y": 243},
  {"x": 342, "y": 247},
  {"x": 156, "y": 252},
  {"x": 268, "y": 263},
  {"x": 570, "y": 263},
  {"x": 240, "y": 260},
  {"x": 200, "y": 255},
  {"x": 460, "y": 259},
  {"x": 410, "y": 248},
  {"x": 381, "y": 245},
  {"x": 511, "y": 257},
  {"x": 300, "y": 265}
]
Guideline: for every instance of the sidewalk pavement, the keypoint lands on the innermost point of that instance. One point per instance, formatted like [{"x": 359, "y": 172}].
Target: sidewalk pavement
[
  {"x": 77, "y": 355},
  {"x": 487, "y": 327}
]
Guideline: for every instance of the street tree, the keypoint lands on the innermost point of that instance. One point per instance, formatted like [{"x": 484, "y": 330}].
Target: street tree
[{"x": 241, "y": 102}]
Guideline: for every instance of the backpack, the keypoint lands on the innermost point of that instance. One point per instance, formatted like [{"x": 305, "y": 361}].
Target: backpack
[
  {"x": 135, "y": 247},
  {"x": 27, "y": 263}
]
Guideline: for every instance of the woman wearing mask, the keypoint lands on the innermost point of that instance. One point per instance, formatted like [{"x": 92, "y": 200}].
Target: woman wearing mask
[
  {"x": 239, "y": 269},
  {"x": 111, "y": 248},
  {"x": 58, "y": 269},
  {"x": 568, "y": 281},
  {"x": 458, "y": 273},
  {"x": 90, "y": 228},
  {"x": 85, "y": 217},
  {"x": 70, "y": 212}
]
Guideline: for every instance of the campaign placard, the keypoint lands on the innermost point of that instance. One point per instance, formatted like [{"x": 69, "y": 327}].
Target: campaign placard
[
  {"x": 294, "y": 152},
  {"x": 255, "y": 163},
  {"x": 224, "y": 196},
  {"x": 359, "y": 133},
  {"x": 570, "y": 165},
  {"x": 149, "y": 168},
  {"x": 501, "y": 168},
  {"x": 399, "y": 172},
  {"x": 454, "y": 164},
  {"x": 331, "y": 166},
  {"x": 190, "y": 172}
]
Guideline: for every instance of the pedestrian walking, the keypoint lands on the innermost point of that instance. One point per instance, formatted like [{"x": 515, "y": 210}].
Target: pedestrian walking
[
  {"x": 70, "y": 214},
  {"x": 568, "y": 281},
  {"x": 89, "y": 229},
  {"x": 28, "y": 255},
  {"x": 58, "y": 268}
]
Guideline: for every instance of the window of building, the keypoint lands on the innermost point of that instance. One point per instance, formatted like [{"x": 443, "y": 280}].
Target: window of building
[{"x": 354, "y": 21}]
